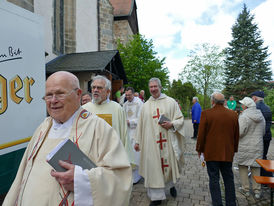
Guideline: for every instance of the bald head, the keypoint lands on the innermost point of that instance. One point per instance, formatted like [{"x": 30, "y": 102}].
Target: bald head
[
  {"x": 62, "y": 95},
  {"x": 71, "y": 80},
  {"x": 217, "y": 98}
]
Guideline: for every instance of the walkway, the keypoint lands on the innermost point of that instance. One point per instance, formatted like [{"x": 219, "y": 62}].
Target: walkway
[{"x": 193, "y": 187}]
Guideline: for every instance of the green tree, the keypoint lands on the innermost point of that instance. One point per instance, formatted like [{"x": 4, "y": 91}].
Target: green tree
[
  {"x": 269, "y": 99},
  {"x": 247, "y": 67},
  {"x": 207, "y": 101},
  {"x": 205, "y": 69},
  {"x": 183, "y": 93},
  {"x": 141, "y": 64}
]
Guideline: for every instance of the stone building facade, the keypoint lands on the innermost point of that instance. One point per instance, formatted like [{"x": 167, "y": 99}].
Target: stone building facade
[
  {"x": 106, "y": 41},
  {"x": 125, "y": 19},
  {"x": 81, "y": 26},
  {"x": 70, "y": 26},
  {"x": 122, "y": 31}
]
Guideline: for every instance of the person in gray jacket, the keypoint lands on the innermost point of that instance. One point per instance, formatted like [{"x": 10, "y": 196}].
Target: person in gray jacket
[{"x": 252, "y": 129}]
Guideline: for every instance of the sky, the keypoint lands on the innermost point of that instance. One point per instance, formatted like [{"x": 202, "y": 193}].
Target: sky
[{"x": 176, "y": 26}]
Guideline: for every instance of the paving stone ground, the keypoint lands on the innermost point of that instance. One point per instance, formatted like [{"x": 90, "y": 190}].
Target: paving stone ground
[{"x": 192, "y": 187}]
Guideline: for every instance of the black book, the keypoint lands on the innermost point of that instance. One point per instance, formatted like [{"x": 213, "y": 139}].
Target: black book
[
  {"x": 162, "y": 119},
  {"x": 67, "y": 151}
]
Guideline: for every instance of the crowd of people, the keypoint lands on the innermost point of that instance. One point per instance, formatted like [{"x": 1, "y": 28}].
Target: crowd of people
[
  {"x": 133, "y": 138},
  {"x": 223, "y": 133}
]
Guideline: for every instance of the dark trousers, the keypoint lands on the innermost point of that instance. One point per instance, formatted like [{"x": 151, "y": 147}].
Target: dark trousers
[
  {"x": 195, "y": 129},
  {"x": 213, "y": 170},
  {"x": 266, "y": 147}
]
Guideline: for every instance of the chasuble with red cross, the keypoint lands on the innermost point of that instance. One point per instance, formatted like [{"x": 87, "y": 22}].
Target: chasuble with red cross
[{"x": 161, "y": 149}]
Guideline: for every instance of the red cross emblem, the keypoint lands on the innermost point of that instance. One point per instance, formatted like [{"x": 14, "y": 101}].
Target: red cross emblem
[
  {"x": 158, "y": 114},
  {"x": 163, "y": 165},
  {"x": 161, "y": 141}
]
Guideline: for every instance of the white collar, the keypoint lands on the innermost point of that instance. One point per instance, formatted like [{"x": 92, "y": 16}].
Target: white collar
[
  {"x": 160, "y": 97},
  {"x": 67, "y": 124}
]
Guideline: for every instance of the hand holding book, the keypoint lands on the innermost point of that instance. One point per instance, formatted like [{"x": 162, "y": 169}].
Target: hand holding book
[
  {"x": 163, "y": 119},
  {"x": 67, "y": 151},
  {"x": 65, "y": 178},
  {"x": 165, "y": 122}
]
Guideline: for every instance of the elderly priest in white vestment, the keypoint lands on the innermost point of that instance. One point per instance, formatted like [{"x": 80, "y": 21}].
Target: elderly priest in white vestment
[
  {"x": 36, "y": 183},
  {"x": 133, "y": 107},
  {"x": 110, "y": 111},
  {"x": 161, "y": 145}
]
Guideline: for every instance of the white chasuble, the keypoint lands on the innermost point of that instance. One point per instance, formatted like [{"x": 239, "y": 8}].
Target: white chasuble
[
  {"x": 133, "y": 111},
  {"x": 110, "y": 181},
  {"x": 113, "y": 113},
  {"x": 40, "y": 182},
  {"x": 161, "y": 150}
]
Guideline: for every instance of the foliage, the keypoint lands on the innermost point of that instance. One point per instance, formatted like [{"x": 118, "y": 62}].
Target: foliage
[
  {"x": 141, "y": 64},
  {"x": 205, "y": 69},
  {"x": 269, "y": 99},
  {"x": 247, "y": 67},
  {"x": 207, "y": 101},
  {"x": 183, "y": 93}
]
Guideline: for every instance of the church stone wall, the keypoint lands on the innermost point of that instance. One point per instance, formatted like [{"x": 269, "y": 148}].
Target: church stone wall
[
  {"x": 106, "y": 25},
  {"x": 122, "y": 31},
  {"x": 70, "y": 26}
]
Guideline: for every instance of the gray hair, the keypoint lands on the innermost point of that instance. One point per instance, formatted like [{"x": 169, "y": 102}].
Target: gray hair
[
  {"x": 218, "y": 98},
  {"x": 131, "y": 89},
  {"x": 100, "y": 77},
  {"x": 155, "y": 79},
  {"x": 196, "y": 99}
]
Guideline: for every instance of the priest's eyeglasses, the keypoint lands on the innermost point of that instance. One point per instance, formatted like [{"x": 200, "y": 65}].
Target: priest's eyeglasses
[
  {"x": 58, "y": 96},
  {"x": 97, "y": 87}
]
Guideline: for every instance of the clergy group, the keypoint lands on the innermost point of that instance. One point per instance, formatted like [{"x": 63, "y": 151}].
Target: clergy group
[{"x": 126, "y": 143}]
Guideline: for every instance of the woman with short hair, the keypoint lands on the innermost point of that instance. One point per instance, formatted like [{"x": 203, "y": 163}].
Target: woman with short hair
[{"x": 252, "y": 128}]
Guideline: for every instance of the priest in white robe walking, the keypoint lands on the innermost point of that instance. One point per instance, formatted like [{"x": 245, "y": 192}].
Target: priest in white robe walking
[
  {"x": 132, "y": 108},
  {"x": 36, "y": 183},
  {"x": 161, "y": 145},
  {"x": 110, "y": 111}
]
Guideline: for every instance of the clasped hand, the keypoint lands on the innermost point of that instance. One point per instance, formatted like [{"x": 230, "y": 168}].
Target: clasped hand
[
  {"x": 167, "y": 125},
  {"x": 65, "y": 178}
]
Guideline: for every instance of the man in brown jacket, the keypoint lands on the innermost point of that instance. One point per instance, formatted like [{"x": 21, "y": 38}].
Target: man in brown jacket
[{"x": 218, "y": 138}]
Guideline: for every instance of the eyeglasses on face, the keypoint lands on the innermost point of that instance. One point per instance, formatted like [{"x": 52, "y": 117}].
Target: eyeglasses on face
[
  {"x": 58, "y": 96},
  {"x": 97, "y": 87}
]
